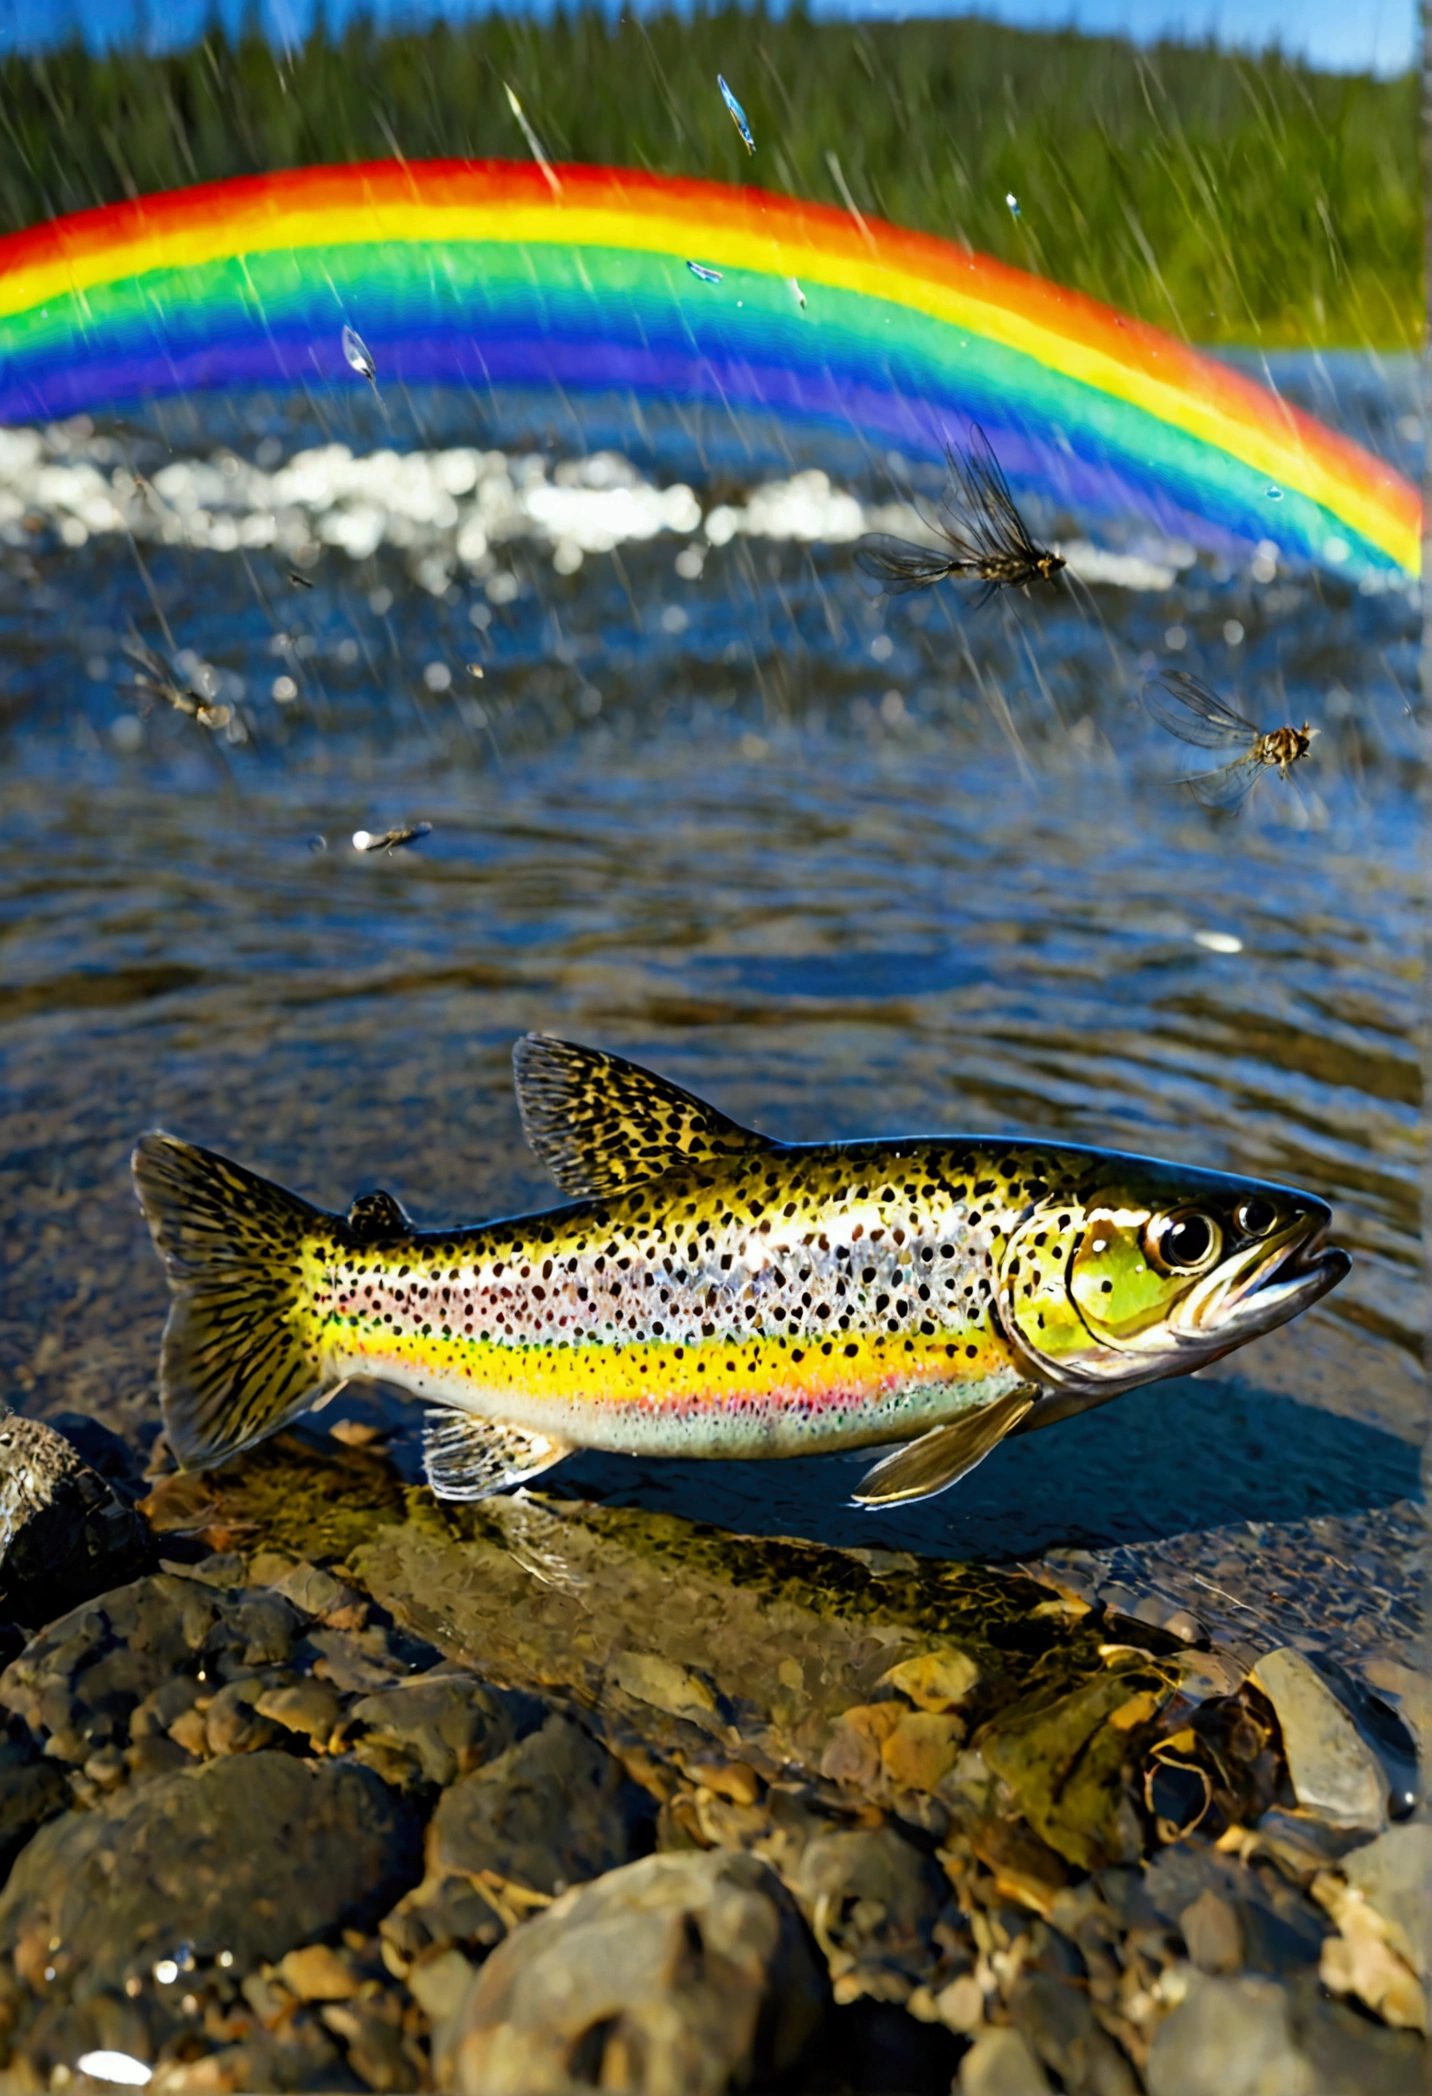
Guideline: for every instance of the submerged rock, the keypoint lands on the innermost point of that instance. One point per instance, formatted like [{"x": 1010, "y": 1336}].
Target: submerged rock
[
  {"x": 433, "y": 1727},
  {"x": 690, "y": 1972},
  {"x": 253, "y": 1855},
  {"x": 65, "y": 1533},
  {"x": 1334, "y": 1772}
]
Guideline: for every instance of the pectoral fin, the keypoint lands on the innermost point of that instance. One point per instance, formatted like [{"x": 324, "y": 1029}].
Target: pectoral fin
[
  {"x": 600, "y": 1123},
  {"x": 468, "y": 1458},
  {"x": 942, "y": 1457}
]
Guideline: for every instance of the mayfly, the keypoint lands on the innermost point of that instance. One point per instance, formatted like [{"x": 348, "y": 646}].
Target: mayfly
[
  {"x": 153, "y": 675},
  {"x": 389, "y": 841},
  {"x": 985, "y": 537},
  {"x": 738, "y": 115},
  {"x": 1189, "y": 710}
]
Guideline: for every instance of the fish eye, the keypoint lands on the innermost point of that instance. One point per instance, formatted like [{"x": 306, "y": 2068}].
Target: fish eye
[
  {"x": 1256, "y": 1216},
  {"x": 1186, "y": 1242}
]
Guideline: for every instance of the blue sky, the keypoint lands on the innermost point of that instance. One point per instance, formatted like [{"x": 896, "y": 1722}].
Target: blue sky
[{"x": 1341, "y": 35}]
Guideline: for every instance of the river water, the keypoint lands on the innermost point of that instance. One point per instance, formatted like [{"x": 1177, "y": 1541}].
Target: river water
[{"x": 846, "y": 868}]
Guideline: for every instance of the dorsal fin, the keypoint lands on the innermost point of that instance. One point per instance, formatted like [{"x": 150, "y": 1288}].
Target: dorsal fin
[{"x": 601, "y": 1124}]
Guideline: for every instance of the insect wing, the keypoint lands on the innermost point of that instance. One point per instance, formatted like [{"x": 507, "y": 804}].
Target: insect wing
[
  {"x": 1188, "y": 709},
  {"x": 899, "y": 566},
  {"x": 1224, "y": 791},
  {"x": 984, "y": 503}
]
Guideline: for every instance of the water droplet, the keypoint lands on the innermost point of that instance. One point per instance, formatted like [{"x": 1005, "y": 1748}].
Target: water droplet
[
  {"x": 358, "y": 357},
  {"x": 119, "y": 2067}
]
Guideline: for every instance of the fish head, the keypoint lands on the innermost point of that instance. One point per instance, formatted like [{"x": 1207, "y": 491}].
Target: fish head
[{"x": 1137, "y": 1270}]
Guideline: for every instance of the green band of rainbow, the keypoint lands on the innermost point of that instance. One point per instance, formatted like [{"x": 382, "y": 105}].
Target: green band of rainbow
[{"x": 496, "y": 273}]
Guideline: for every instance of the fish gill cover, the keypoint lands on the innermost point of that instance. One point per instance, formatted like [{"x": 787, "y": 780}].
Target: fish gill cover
[{"x": 482, "y": 272}]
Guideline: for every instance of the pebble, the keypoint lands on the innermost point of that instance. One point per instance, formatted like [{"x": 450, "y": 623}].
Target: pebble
[
  {"x": 1002, "y": 2063},
  {"x": 1054, "y": 2014},
  {"x": 1209, "y": 1926},
  {"x": 1334, "y": 1773},
  {"x": 233, "y": 1726},
  {"x": 439, "y": 1983},
  {"x": 552, "y": 1811},
  {"x": 1394, "y": 1874},
  {"x": 318, "y": 1973},
  {"x": 311, "y": 1708},
  {"x": 1229, "y": 2037},
  {"x": 65, "y": 1533},
  {"x": 679, "y": 1972},
  {"x": 1379, "y": 1897},
  {"x": 433, "y": 1727}
]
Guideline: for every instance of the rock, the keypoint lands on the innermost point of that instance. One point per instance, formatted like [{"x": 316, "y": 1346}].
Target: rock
[
  {"x": 1025, "y": 1869},
  {"x": 871, "y": 1898},
  {"x": 445, "y": 1910},
  {"x": 939, "y": 1681},
  {"x": 675, "y": 1634},
  {"x": 311, "y": 1708},
  {"x": 318, "y": 1973},
  {"x": 1056, "y": 2018},
  {"x": 1063, "y": 1760},
  {"x": 685, "y": 1973},
  {"x": 310, "y": 1588},
  {"x": 921, "y": 1751},
  {"x": 552, "y": 1811},
  {"x": 1209, "y": 1926},
  {"x": 32, "y": 1790},
  {"x": 379, "y": 2051},
  {"x": 357, "y": 1662},
  {"x": 1229, "y": 2037},
  {"x": 300, "y": 2056},
  {"x": 65, "y": 1533},
  {"x": 1394, "y": 1874},
  {"x": 1001, "y": 2063},
  {"x": 1351, "y": 2055},
  {"x": 252, "y": 1854},
  {"x": 1334, "y": 1772},
  {"x": 1379, "y": 1897},
  {"x": 83, "y": 1679},
  {"x": 232, "y": 1725},
  {"x": 439, "y": 1983},
  {"x": 1277, "y": 1929},
  {"x": 444, "y": 1725}
]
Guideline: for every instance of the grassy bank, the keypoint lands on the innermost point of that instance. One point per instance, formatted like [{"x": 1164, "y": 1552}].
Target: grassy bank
[{"x": 1231, "y": 199}]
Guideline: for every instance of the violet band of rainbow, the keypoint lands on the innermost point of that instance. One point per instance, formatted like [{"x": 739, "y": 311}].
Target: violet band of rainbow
[{"x": 476, "y": 273}]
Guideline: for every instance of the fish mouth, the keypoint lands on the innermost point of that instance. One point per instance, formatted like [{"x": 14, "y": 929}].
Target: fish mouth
[{"x": 1263, "y": 1286}]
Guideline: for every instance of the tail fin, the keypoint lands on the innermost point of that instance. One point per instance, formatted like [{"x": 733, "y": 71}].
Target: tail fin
[{"x": 234, "y": 1365}]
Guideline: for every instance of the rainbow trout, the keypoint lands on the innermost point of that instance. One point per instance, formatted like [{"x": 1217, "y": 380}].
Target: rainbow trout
[{"x": 712, "y": 1292}]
